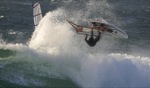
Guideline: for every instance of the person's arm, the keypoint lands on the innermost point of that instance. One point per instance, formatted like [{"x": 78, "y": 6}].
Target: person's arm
[
  {"x": 86, "y": 38},
  {"x": 98, "y": 37},
  {"x": 91, "y": 33}
]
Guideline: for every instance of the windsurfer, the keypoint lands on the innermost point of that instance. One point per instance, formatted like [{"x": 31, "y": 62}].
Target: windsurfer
[{"x": 92, "y": 41}]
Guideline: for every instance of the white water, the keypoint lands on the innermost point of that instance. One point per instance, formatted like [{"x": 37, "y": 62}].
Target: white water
[
  {"x": 85, "y": 69},
  {"x": 69, "y": 55},
  {"x": 65, "y": 53}
]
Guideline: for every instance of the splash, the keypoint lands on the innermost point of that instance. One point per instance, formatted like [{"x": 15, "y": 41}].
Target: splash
[
  {"x": 55, "y": 34},
  {"x": 56, "y": 51},
  {"x": 88, "y": 67}
]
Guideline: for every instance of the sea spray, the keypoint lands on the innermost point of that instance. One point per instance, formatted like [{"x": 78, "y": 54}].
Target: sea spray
[{"x": 57, "y": 54}]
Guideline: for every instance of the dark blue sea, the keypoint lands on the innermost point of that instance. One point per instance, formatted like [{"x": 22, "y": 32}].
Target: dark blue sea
[{"x": 54, "y": 56}]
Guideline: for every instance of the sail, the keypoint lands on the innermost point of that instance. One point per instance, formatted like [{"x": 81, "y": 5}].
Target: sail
[{"x": 37, "y": 13}]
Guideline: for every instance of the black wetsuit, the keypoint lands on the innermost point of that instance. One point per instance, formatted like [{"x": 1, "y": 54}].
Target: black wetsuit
[{"x": 92, "y": 41}]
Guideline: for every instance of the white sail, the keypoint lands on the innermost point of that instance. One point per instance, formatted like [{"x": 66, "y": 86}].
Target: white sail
[{"x": 37, "y": 13}]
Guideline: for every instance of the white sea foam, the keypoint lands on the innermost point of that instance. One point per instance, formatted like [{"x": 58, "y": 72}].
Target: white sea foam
[
  {"x": 88, "y": 67},
  {"x": 55, "y": 50}
]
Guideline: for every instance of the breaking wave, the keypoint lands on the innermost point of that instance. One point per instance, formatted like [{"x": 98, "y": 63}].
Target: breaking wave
[
  {"x": 88, "y": 67},
  {"x": 55, "y": 51}
]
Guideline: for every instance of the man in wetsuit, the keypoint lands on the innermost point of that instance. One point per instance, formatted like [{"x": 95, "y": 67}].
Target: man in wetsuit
[{"x": 92, "y": 41}]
